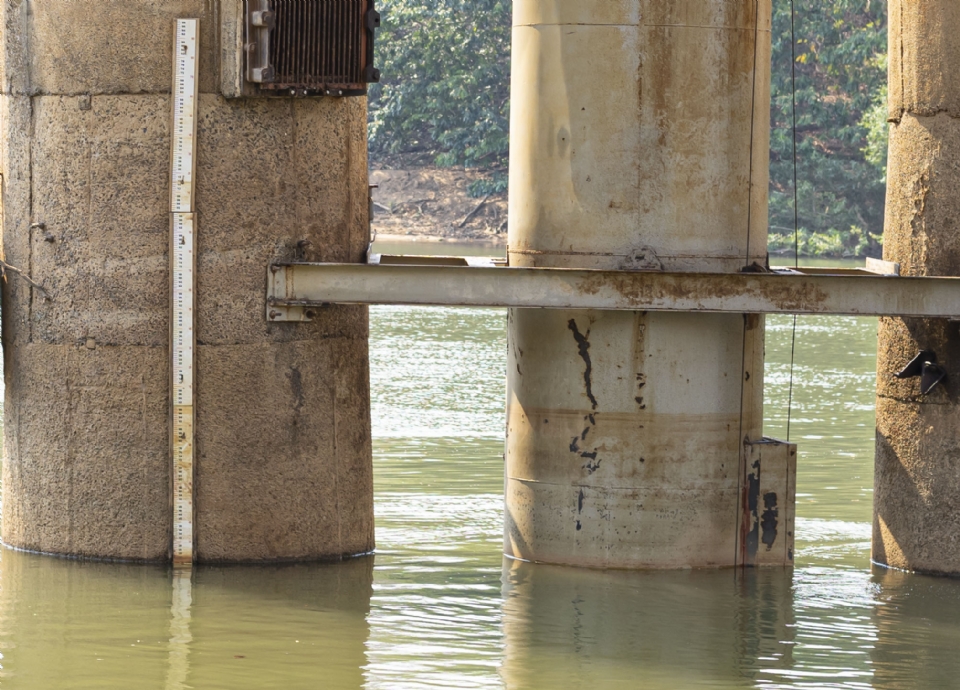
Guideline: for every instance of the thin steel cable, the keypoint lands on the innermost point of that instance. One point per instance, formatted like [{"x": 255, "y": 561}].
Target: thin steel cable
[
  {"x": 753, "y": 117},
  {"x": 793, "y": 345},
  {"x": 743, "y": 355},
  {"x": 796, "y": 211}
]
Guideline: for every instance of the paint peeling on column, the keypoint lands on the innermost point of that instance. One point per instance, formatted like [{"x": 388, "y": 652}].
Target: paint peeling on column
[
  {"x": 751, "y": 522},
  {"x": 584, "y": 346},
  {"x": 579, "y": 508},
  {"x": 768, "y": 521},
  {"x": 592, "y": 464}
]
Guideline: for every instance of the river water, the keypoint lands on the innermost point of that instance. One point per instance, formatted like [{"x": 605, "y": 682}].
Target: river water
[{"x": 438, "y": 607}]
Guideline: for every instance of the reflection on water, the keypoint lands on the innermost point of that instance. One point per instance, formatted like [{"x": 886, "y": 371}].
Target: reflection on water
[
  {"x": 65, "y": 624},
  {"x": 572, "y": 629},
  {"x": 180, "y": 636},
  {"x": 437, "y": 607}
]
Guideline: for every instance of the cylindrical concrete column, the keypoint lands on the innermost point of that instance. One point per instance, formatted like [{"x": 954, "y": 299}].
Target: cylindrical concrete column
[
  {"x": 917, "y": 476},
  {"x": 639, "y": 141},
  {"x": 283, "y": 459}
]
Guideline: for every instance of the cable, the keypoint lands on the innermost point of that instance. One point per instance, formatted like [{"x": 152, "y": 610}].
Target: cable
[
  {"x": 743, "y": 356},
  {"x": 753, "y": 117},
  {"x": 793, "y": 97},
  {"x": 796, "y": 210},
  {"x": 793, "y": 345}
]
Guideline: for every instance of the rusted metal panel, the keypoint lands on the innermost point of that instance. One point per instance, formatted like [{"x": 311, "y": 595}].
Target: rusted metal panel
[
  {"x": 297, "y": 287},
  {"x": 768, "y": 499},
  {"x": 311, "y": 47}
]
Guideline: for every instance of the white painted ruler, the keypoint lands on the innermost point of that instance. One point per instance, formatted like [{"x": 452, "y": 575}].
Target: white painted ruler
[{"x": 183, "y": 254}]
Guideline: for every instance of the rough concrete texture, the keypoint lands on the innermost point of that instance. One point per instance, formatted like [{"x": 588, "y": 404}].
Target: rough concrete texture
[
  {"x": 114, "y": 47},
  {"x": 283, "y": 433},
  {"x": 924, "y": 57},
  {"x": 917, "y": 473},
  {"x": 638, "y": 142}
]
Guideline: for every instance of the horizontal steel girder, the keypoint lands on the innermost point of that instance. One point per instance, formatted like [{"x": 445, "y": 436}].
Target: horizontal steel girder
[{"x": 296, "y": 290}]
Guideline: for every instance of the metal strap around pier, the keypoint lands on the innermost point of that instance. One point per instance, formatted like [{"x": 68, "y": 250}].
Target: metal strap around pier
[
  {"x": 183, "y": 258},
  {"x": 297, "y": 290}
]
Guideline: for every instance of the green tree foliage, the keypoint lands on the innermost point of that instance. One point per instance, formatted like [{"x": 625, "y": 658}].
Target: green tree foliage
[
  {"x": 841, "y": 126},
  {"x": 444, "y": 99},
  {"x": 445, "y": 92}
]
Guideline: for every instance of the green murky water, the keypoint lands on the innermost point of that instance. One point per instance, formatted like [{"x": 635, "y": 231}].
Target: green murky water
[{"x": 438, "y": 608}]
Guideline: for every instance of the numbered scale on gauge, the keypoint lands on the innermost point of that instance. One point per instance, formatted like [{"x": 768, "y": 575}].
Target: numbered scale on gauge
[
  {"x": 183, "y": 284},
  {"x": 184, "y": 116}
]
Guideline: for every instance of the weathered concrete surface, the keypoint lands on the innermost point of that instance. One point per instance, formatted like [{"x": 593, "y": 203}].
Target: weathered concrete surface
[
  {"x": 639, "y": 113},
  {"x": 639, "y": 141},
  {"x": 114, "y": 47},
  {"x": 917, "y": 475},
  {"x": 924, "y": 57},
  {"x": 283, "y": 438}
]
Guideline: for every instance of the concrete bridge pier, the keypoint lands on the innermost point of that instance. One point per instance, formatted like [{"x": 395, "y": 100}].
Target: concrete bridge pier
[
  {"x": 283, "y": 458},
  {"x": 639, "y": 141},
  {"x": 917, "y": 478}
]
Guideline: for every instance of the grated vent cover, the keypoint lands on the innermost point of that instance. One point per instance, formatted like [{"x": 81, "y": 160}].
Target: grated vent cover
[{"x": 310, "y": 47}]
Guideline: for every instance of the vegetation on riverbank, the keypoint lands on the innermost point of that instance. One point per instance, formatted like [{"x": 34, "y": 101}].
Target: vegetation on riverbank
[{"x": 444, "y": 100}]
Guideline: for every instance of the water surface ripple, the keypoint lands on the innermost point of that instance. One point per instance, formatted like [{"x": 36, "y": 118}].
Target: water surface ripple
[{"x": 438, "y": 607}]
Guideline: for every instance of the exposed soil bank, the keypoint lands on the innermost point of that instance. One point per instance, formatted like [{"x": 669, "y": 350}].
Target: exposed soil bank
[{"x": 433, "y": 203}]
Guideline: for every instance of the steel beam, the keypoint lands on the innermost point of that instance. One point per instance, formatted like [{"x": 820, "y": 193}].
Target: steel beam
[{"x": 297, "y": 290}]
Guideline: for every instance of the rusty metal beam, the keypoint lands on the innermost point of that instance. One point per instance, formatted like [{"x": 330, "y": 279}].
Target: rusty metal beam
[{"x": 296, "y": 290}]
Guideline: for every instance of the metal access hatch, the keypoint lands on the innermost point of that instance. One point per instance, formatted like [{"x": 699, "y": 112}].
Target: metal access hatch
[{"x": 310, "y": 47}]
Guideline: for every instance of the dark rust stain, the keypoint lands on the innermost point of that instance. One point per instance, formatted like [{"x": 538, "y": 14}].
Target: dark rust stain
[
  {"x": 584, "y": 347},
  {"x": 750, "y": 529},
  {"x": 768, "y": 521},
  {"x": 592, "y": 464},
  {"x": 646, "y": 290},
  {"x": 296, "y": 387}
]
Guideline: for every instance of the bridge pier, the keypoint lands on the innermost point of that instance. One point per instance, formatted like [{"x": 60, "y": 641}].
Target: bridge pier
[
  {"x": 635, "y": 126},
  {"x": 917, "y": 483},
  {"x": 283, "y": 457}
]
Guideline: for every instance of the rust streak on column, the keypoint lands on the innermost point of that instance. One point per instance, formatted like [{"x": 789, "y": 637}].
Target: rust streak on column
[{"x": 635, "y": 124}]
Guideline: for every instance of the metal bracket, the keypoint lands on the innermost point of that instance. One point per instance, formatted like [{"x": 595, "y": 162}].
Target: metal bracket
[
  {"x": 280, "y": 282},
  {"x": 259, "y": 21},
  {"x": 296, "y": 288}
]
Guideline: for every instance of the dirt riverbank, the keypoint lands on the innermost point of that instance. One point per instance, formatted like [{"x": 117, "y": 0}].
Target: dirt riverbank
[{"x": 426, "y": 203}]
